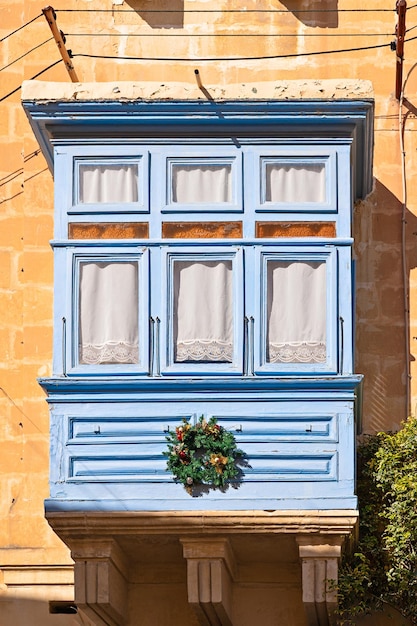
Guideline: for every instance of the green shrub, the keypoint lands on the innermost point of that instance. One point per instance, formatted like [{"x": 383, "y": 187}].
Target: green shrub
[{"x": 383, "y": 567}]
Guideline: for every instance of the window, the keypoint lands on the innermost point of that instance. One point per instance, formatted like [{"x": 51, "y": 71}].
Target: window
[
  {"x": 292, "y": 182},
  {"x": 295, "y": 181},
  {"x": 197, "y": 183},
  {"x": 203, "y": 311},
  {"x": 199, "y": 289},
  {"x": 106, "y": 325},
  {"x": 108, "y": 312},
  {"x": 202, "y": 316},
  {"x": 201, "y": 183},
  {"x": 296, "y": 312},
  {"x": 104, "y": 181}
]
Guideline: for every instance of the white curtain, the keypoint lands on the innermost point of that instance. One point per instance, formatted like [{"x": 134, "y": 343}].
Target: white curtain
[
  {"x": 108, "y": 318},
  {"x": 288, "y": 182},
  {"x": 203, "y": 311},
  {"x": 296, "y": 312},
  {"x": 193, "y": 184},
  {"x": 108, "y": 183}
]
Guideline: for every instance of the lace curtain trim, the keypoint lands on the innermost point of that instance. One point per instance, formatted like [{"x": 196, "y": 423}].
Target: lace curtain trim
[
  {"x": 302, "y": 352},
  {"x": 110, "y": 352},
  {"x": 201, "y": 350}
]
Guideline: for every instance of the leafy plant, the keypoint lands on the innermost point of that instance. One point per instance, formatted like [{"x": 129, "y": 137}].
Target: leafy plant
[{"x": 383, "y": 567}]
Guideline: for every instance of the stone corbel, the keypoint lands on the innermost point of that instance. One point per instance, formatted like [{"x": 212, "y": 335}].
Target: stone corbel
[
  {"x": 100, "y": 581},
  {"x": 210, "y": 574},
  {"x": 320, "y": 561}
]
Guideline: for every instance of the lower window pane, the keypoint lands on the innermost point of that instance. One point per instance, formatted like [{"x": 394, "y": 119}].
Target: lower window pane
[
  {"x": 296, "y": 324},
  {"x": 203, "y": 311},
  {"x": 108, "y": 315}
]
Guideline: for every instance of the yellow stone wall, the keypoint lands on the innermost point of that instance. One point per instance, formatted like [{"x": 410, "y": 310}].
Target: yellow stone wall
[{"x": 288, "y": 40}]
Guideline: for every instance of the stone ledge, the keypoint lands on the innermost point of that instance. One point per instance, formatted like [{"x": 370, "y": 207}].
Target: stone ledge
[
  {"x": 339, "y": 89},
  {"x": 18, "y": 576},
  {"x": 70, "y": 524}
]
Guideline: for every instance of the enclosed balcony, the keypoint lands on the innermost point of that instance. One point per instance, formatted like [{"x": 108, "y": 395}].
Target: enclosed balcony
[{"x": 203, "y": 271}]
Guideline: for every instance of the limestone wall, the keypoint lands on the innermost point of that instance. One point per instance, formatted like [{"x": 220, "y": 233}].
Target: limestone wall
[{"x": 269, "y": 43}]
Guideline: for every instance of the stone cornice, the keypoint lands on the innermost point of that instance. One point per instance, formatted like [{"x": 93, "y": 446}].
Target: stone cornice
[
  {"x": 330, "y": 89},
  {"x": 84, "y": 524}
]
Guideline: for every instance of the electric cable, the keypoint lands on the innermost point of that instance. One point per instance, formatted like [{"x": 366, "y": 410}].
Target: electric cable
[
  {"x": 26, "y": 53},
  {"x": 32, "y": 78},
  {"x": 255, "y": 58},
  {"x": 406, "y": 293},
  {"x": 21, "y": 27},
  {"x": 294, "y": 35},
  {"x": 226, "y": 11}
]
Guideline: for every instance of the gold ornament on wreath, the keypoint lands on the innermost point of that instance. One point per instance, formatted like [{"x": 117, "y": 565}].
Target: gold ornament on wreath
[{"x": 202, "y": 454}]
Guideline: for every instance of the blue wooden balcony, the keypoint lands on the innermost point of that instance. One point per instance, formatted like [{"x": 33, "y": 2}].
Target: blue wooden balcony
[{"x": 294, "y": 419}]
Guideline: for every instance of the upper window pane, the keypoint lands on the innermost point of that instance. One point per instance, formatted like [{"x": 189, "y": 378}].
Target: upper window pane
[
  {"x": 203, "y": 311},
  {"x": 292, "y": 182},
  {"x": 108, "y": 313},
  {"x": 201, "y": 183},
  {"x": 108, "y": 183},
  {"x": 296, "y": 315}
]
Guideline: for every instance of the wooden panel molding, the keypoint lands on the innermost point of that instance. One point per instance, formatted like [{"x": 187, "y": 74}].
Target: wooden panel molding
[
  {"x": 202, "y": 230},
  {"x": 266, "y": 230},
  {"x": 118, "y": 230}
]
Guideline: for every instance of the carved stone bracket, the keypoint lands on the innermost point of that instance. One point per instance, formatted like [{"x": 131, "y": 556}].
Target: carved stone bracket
[
  {"x": 210, "y": 574},
  {"x": 319, "y": 560},
  {"x": 104, "y": 544},
  {"x": 100, "y": 581}
]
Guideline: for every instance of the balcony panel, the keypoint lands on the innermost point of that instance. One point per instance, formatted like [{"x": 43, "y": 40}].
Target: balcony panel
[{"x": 298, "y": 445}]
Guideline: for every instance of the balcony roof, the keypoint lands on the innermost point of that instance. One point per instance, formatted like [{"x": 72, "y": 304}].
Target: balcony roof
[{"x": 330, "y": 110}]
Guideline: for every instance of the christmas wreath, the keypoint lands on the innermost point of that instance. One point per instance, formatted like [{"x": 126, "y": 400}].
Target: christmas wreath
[{"x": 204, "y": 454}]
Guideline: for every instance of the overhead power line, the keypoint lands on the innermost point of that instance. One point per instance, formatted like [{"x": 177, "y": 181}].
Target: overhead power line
[
  {"x": 24, "y": 55},
  {"x": 182, "y": 34},
  {"x": 226, "y": 11},
  {"x": 31, "y": 78},
  {"x": 254, "y": 58},
  {"x": 186, "y": 11},
  {"x": 21, "y": 27}
]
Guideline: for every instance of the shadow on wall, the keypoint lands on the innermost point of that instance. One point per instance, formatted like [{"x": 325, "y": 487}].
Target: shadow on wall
[
  {"x": 380, "y": 336},
  {"x": 170, "y": 13},
  {"x": 162, "y": 14},
  {"x": 314, "y": 13},
  {"x": 16, "y": 610}
]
